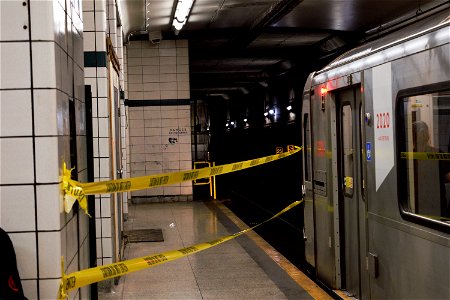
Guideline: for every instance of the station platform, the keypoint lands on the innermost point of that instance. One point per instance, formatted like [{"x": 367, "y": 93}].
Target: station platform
[{"x": 243, "y": 268}]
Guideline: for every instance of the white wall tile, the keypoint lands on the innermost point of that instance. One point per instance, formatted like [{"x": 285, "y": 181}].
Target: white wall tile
[
  {"x": 14, "y": 17},
  {"x": 183, "y": 69},
  {"x": 186, "y": 190},
  {"x": 169, "y": 94},
  {"x": 150, "y": 52},
  {"x": 106, "y": 228},
  {"x": 44, "y": 65},
  {"x": 182, "y": 52},
  {"x": 151, "y": 78},
  {"x": 151, "y": 86},
  {"x": 152, "y": 131},
  {"x": 100, "y": 21},
  {"x": 135, "y": 79},
  {"x": 152, "y": 95},
  {"x": 183, "y": 95},
  {"x": 50, "y": 207},
  {"x": 168, "y": 52},
  {"x": 25, "y": 248},
  {"x": 105, "y": 168},
  {"x": 181, "y": 43},
  {"x": 89, "y": 41},
  {"x": 152, "y": 118},
  {"x": 18, "y": 73},
  {"x": 167, "y": 44},
  {"x": 171, "y": 78},
  {"x": 134, "y": 70},
  {"x": 171, "y": 191},
  {"x": 47, "y": 288},
  {"x": 104, "y": 147},
  {"x": 88, "y": 21},
  {"x": 150, "y": 70},
  {"x": 15, "y": 112},
  {"x": 182, "y": 60},
  {"x": 103, "y": 107},
  {"x": 16, "y": 162},
  {"x": 107, "y": 260},
  {"x": 167, "y": 60},
  {"x": 71, "y": 243},
  {"x": 103, "y": 126},
  {"x": 168, "y": 124},
  {"x": 102, "y": 87},
  {"x": 44, "y": 28},
  {"x": 47, "y": 159},
  {"x": 49, "y": 254},
  {"x": 46, "y": 108},
  {"x": 183, "y": 78},
  {"x": 30, "y": 288},
  {"x": 105, "y": 207},
  {"x": 101, "y": 41},
  {"x": 150, "y": 61},
  {"x": 17, "y": 208},
  {"x": 169, "y": 87}
]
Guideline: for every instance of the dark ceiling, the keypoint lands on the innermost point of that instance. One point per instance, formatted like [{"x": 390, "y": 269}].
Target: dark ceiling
[{"x": 237, "y": 44}]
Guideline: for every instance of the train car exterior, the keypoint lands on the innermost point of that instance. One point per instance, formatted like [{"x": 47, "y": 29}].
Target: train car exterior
[{"x": 376, "y": 134}]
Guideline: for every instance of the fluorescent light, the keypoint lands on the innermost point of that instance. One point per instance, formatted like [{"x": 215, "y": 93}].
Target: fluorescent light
[
  {"x": 181, "y": 13},
  {"x": 289, "y": 107},
  {"x": 245, "y": 120}
]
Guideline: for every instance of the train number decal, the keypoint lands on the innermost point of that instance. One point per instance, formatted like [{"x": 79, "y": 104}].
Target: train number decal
[{"x": 383, "y": 120}]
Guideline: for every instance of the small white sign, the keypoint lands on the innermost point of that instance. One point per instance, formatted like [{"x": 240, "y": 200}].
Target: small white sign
[{"x": 384, "y": 133}]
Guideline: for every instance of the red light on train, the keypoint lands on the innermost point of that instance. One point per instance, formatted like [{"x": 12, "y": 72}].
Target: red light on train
[{"x": 323, "y": 91}]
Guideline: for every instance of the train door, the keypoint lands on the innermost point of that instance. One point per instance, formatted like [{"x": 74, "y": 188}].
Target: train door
[
  {"x": 307, "y": 187},
  {"x": 351, "y": 204}
]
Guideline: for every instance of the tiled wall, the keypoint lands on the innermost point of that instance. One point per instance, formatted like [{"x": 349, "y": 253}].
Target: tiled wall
[
  {"x": 160, "y": 142},
  {"x": 99, "y": 23},
  {"x": 159, "y": 114},
  {"x": 41, "y": 77}
]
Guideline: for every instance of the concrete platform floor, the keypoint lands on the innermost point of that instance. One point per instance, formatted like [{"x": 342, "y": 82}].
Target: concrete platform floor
[{"x": 243, "y": 268}]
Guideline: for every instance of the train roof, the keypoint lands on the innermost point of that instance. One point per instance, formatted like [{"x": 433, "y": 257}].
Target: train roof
[{"x": 417, "y": 28}]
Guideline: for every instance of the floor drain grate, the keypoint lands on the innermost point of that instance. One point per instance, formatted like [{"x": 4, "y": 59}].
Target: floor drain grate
[{"x": 143, "y": 235}]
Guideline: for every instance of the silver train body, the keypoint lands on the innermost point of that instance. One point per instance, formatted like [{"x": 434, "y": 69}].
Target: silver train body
[{"x": 377, "y": 221}]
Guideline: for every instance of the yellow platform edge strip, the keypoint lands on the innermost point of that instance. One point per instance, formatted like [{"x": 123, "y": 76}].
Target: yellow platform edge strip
[
  {"x": 85, "y": 277},
  {"x": 77, "y": 191},
  {"x": 298, "y": 276}
]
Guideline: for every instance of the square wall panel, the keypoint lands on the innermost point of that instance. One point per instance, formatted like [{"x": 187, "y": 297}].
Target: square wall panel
[
  {"x": 16, "y": 161},
  {"x": 15, "y": 61},
  {"x": 17, "y": 208},
  {"x": 25, "y": 248},
  {"x": 15, "y": 113},
  {"x": 14, "y": 16}
]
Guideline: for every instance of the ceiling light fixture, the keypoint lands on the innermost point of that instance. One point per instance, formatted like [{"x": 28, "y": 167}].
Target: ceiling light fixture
[{"x": 181, "y": 14}]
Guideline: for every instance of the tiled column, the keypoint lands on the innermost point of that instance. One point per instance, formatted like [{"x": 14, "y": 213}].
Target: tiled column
[
  {"x": 100, "y": 24},
  {"x": 159, "y": 115},
  {"x": 96, "y": 73},
  {"x": 41, "y": 91}
]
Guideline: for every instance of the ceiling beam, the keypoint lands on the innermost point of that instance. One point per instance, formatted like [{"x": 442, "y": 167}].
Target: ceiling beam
[{"x": 275, "y": 12}]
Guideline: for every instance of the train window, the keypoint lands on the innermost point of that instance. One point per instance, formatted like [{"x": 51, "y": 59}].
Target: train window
[
  {"x": 347, "y": 149},
  {"x": 425, "y": 156},
  {"x": 307, "y": 145}
]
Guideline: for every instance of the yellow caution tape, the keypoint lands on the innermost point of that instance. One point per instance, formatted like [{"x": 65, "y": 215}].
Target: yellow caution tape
[
  {"x": 85, "y": 277},
  {"x": 425, "y": 155},
  {"x": 77, "y": 191}
]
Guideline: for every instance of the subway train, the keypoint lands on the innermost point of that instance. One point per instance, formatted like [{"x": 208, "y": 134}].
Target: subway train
[{"x": 376, "y": 175}]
